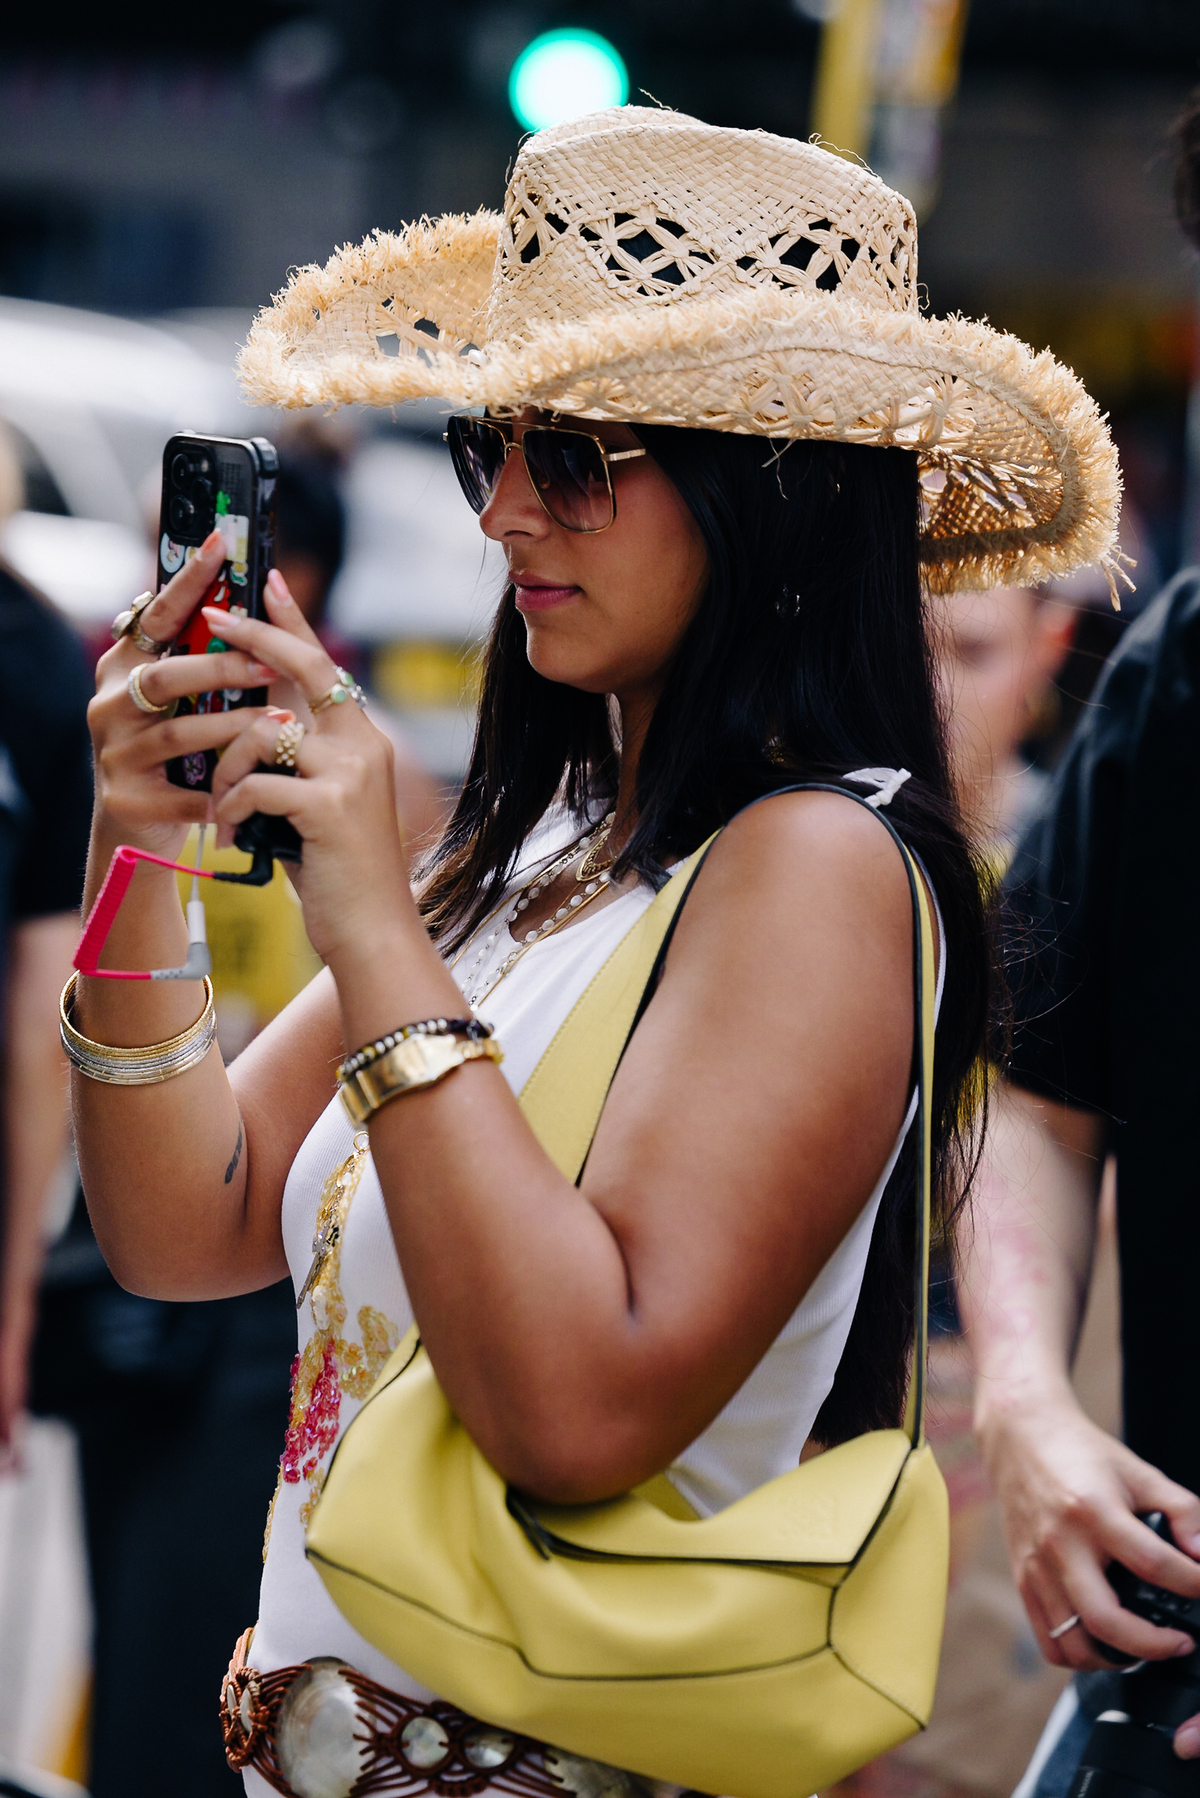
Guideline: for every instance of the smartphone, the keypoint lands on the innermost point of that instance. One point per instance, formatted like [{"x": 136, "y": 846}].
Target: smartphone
[{"x": 229, "y": 483}]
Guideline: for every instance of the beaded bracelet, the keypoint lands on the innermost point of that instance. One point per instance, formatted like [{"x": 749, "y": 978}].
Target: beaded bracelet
[{"x": 474, "y": 1029}]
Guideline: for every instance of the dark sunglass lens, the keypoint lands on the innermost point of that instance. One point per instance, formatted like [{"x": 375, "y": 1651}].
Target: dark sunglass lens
[
  {"x": 567, "y": 468},
  {"x": 477, "y": 452}
]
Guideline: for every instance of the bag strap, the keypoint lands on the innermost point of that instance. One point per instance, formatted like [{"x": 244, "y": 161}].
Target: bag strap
[{"x": 565, "y": 1094}]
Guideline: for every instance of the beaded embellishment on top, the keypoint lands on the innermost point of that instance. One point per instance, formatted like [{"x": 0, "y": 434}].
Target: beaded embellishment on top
[{"x": 329, "y": 1364}]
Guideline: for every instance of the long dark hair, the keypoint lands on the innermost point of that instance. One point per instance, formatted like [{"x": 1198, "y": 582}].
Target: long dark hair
[{"x": 807, "y": 658}]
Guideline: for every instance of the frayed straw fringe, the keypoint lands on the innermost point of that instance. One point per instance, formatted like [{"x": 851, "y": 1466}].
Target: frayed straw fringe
[{"x": 1031, "y": 484}]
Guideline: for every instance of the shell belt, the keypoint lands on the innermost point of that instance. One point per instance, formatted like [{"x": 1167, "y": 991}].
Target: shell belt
[{"x": 323, "y": 1727}]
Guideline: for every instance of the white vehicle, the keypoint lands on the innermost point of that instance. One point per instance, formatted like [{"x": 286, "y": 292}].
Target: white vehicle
[{"x": 92, "y": 399}]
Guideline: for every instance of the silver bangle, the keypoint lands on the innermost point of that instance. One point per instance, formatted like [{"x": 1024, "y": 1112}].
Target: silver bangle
[{"x": 148, "y": 1066}]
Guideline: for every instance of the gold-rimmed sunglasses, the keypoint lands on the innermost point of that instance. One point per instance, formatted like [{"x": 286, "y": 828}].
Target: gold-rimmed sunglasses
[{"x": 568, "y": 470}]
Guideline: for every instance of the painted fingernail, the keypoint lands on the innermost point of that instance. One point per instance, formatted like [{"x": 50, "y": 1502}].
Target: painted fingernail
[
  {"x": 260, "y": 672},
  {"x": 281, "y": 713},
  {"x": 1187, "y": 1742},
  {"x": 211, "y": 542},
  {"x": 277, "y": 584}
]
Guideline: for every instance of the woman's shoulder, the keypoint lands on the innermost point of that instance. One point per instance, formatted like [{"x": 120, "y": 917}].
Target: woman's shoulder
[
  {"x": 804, "y": 874},
  {"x": 796, "y": 881},
  {"x": 799, "y": 832}
]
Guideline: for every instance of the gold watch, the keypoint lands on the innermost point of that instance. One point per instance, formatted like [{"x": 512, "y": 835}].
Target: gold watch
[{"x": 417, "y": 1062}]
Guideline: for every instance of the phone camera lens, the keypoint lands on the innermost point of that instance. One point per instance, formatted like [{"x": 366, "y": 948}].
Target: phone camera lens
[
  {"x": 182, "y": 512},
  {"x": 181, "y": 468},
  {"x": 202, "y": 492}
]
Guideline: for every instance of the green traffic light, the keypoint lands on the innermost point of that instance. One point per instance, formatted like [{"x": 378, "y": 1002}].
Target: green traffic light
[{"x": 562, "y": 74}]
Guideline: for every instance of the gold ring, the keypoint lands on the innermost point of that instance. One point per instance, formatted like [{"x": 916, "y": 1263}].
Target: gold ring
[
  {"x": 133, "y": 687},
  {"x": 344, "y": 687},
  {"x": 127, "y": 624},
  {"x": 287, "y": 744}
]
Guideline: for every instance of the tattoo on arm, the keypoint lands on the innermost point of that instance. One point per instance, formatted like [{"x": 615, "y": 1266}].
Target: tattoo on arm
[{"x": 235, "y": 1157}]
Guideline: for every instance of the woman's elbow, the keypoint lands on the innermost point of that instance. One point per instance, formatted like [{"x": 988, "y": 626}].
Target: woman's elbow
[{"x": 577, "y": 1460}]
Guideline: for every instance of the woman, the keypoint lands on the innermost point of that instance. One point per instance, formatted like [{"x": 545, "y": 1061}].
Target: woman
[{"x": 694, "y": 619}]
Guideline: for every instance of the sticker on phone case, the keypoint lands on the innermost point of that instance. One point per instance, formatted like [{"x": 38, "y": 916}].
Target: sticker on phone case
[
  {"x": 235, "y": 534},
  {"x": 171, "y": 555},
  {"x": 197, "y": 638}
]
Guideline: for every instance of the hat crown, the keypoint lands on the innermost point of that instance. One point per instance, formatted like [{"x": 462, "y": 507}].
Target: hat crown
[
  {"x": 652, "y": 269},
  {"x": 639, "y": 207}
]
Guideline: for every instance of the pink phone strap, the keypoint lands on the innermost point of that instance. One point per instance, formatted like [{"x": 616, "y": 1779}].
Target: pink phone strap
[{"x": 103, "y": 914}]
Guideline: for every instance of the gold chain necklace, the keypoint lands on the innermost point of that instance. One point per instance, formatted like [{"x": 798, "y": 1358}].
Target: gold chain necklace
[{"x": 479, "y": 988}]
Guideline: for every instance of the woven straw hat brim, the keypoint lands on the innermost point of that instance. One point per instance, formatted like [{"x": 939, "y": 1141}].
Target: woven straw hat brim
[
  {"x": 1019, "y": 473},
  {"x": 318, "y": 344}
]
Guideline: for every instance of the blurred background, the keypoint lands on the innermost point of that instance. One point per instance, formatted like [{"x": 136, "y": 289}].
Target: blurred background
[
  {"x": 161, "y": 169},
  {"x": 161, "y": 174}
]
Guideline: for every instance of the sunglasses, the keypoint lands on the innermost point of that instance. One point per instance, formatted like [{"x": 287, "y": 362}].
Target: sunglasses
[{"x": 568, "y": 470}]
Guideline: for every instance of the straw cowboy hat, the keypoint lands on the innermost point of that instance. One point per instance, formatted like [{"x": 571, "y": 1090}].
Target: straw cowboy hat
[{"x": 648, "y": 267}]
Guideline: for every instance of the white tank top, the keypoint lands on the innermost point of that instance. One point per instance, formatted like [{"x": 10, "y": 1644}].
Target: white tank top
[{"x": 758, "y": 1435}]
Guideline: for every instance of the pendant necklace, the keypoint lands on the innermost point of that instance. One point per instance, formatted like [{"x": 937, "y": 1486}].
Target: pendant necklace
[
  {"x": 593, "y": 876},
  {"x": 599, "y": 858}
]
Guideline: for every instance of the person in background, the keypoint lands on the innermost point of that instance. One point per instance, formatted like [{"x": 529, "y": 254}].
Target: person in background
[
  {"x": 45, "y": 776},
  {"x": 310, "y": 531},
  {"x": 180, "y": 1409},
  {"x": 310, "y": 524},
  {"x": 1106, "y": 982},
  {"x": 998, "y": 655},
  {"x": 45, "y": 783}
]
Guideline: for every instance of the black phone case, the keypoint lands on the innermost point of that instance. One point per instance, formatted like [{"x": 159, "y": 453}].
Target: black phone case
[{"x": 228, "y": 482}]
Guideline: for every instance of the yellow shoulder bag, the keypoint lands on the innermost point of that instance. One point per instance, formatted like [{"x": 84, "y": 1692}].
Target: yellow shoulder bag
[{"x": 765, "y": 1651}]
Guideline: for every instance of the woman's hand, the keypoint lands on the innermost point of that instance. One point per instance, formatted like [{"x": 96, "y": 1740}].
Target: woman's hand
[
  {"x": 135, "y": 801},
  {"x": 352, "y": 881}
]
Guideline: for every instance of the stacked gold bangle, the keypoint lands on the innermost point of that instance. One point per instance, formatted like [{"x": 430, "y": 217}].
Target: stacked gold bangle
[{"x": 147, "y": 1066}]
